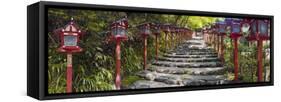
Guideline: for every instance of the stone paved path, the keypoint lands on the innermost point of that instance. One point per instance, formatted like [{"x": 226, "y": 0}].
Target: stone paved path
[{"x": 191, "y": 63}]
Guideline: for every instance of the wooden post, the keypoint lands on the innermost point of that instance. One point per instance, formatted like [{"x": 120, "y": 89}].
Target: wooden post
[
  {"x": 214, "y": 41},
  {"x": 236, "y": 59},
  {"x": 172, "y": 41},
  {"x": 69, "y": 73},
  {"x": 156, "y": 43},
  {"x": 260, "y": 66},
  {"x": 166, "y": 38},
  {"x": 222, "y": 49},
  {"x": 206, "y": 35},
  {"x": 118, "y": 64},
  {"x": 218, "y": 44},
  {"x": 144, "y": 52}
]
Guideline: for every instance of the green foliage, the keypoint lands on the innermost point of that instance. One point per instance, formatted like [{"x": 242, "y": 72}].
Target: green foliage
[
  {"x": 247, "y": 55},
  {"x": 196, "y": 22},
  {"x": 130, "y": 80}
]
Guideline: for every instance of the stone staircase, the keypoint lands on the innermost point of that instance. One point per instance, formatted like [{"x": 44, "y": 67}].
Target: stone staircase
[{"x": 190, "y": 64}]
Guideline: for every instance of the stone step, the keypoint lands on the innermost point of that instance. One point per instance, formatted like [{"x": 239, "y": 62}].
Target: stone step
[
  {"x": 182, "y": 52},
  {"x": 193, "y": 43},
  {"x": 192, "y": 82},
  {"x": 183, "y": 79},
  {"x": 190, "y": 64},
  {"x": 210, "y": 59},
  {"x": 145, "y": 84},
  {"x": 187, "y": 64},
  {"x": 189, "y": 56},
  {"x": 197, "y": 46},
  {"x": 194, "y": 49},
  {"x": 197, "y": 38},
  {"x": 191, "y": 71},
  {"x": 193, "y": 53}
]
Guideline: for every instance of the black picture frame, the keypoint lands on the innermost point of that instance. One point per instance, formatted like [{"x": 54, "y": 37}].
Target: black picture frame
[{"x": 37, "y": 50}]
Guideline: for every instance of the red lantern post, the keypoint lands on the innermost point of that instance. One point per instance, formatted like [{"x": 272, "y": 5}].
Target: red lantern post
[
  {"x": 214, "y": 38},
  {"x": 178, "y": 32},
  {"x": 204, "y": 32},
  {"x": 263, "y": 26},
  {"x": 222, "y": 32},
  {"x": 166, "y": 29},
  {"x": 210, "y": 35},
  {"x": 235, "y": 34},
  {"x": 182, "y": 32},
  {"x": 173, "y": 31},
  {"x": 145, "y": 31},
  {"x": 156, "y": 32},
  {"x": 207, "y": 34},
  {"x": 118, "y": 31},
  {"x": 259, "y": 32},
  {"x": 218, "y": 41},
  {"x": 69, "y": 38}
]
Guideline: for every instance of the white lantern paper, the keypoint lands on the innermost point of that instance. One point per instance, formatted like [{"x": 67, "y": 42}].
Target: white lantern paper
[{"x": 70, "y": 40}]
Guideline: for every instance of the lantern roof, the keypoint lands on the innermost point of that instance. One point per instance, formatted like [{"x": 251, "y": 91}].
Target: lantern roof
[
  {"x": 228, "y": 21},
  {"x": 71, "y": 27},
  {"x": 236, "y": 20},
  {"x": 145, "y": 24},
  {"x": 166, "y": 27},
  {"x": 173, "y": 28},
  {"x": 246, "y": 20},
  {"x": 156, "y": 25},
  {"x": 120, "y": 23}
]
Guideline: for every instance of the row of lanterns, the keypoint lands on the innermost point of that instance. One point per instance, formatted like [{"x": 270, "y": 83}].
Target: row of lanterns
[
  {"x": 252, "y": 29},
  {"x": 118, "y": 32},
  {"x": 70, "y": 35}
]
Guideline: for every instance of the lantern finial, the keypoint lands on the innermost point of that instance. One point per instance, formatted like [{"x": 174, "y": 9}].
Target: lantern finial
[{"x": 71, "y": 20}]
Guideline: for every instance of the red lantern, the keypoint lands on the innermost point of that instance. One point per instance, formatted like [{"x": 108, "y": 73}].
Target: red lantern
[
  {"x": 235, "y": 28},
  {"x": 263, "y": 28},
  {"x": 259, "y": 29},
  {"x": 156, "y": 31},
  {"x": 69, "y": 38},
  {"x": 172, "y": 32},
  {"x": 118, "y": 29},
  {"x": 166, "y": 29},
  {"x": 222, "y": 28},
  {"x": 259, "y": 32},
  {"x": 145, "y": 29},
  {"x": 119, "y": 33},
  {"x": 235, "y": 33}
]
